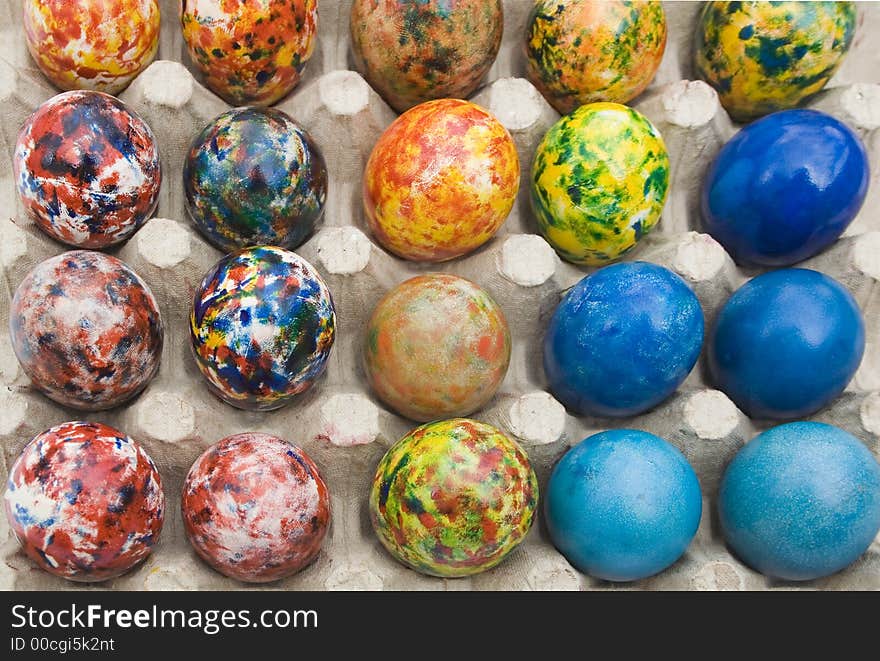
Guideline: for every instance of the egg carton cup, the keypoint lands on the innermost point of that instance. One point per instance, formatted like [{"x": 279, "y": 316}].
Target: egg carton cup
[{"x": 339, "y": 422}]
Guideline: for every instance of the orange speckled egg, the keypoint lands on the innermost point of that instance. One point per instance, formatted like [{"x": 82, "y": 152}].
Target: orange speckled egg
[
  {"x": 92, "y": 44},
  {"x": 441, "y": 180},
  {"x": 251, "y": 52},
  {"x": 436, "y": 346},
  {"x": 412, "y": 51},
  {"x": 581, "y": 51}
]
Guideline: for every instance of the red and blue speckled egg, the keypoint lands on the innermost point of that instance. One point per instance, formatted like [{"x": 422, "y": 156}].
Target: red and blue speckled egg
[
  {"x": 262, "y": 327},
  {"x": 86, "y": 330},
  {"x": 254, "y": 177},
  {"x": 255, "y": 508},
  {"x": 92, "y": 44},
  {"x": 87, "y": 169},
  {"x": 251, "y": 51},
  {"x": 85, "y": 501},
  {"x": 411, "y": 52}
]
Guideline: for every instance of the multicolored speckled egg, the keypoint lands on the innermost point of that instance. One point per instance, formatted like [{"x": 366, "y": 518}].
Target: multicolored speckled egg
[
  {"x": 253, "y": 176},
  {"x": 453, "y": 498},
  {"x": 599, "y": 181},
  {"x": 440, "y": 181},
  {"x": 262, "y": 327},
  {"x": 250, "y": 51},
  {"x": 86, "y": 330},
  {"x": 87, "y": 169},
  {"x": 255, "y": 508},
  {"x": 414, "y": 51},
  {"x": 92, "y": 44},
  {"x": 85, "y": 501},
  {"x": 766, "y": 56},
  {"x": 581, "y": 51},
  {"x": 436, "y": 346}
]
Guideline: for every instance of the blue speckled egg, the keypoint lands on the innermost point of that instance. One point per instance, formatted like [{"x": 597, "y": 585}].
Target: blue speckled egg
[
  {"x": 785, "y": 187},
  {"x": 623, "y": 505},
  {"x": 801, "y": 501},
  {"x": 622, "y": 340},
  {"x": 786, "y": 343},
  {"x": 262, "y": 327},
  {"x": 254, "y": 177}
]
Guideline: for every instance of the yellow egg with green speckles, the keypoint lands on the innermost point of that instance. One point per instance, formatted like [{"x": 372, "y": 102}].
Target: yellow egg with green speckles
[
  {"x": 766, "y": 56},
  {"x": 599, "y": 181}
]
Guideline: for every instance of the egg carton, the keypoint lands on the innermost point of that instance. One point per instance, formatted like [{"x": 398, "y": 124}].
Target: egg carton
[{"x": 339, "y": 422}]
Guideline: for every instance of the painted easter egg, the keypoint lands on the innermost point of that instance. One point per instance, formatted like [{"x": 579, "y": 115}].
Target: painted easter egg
[
  {"x": 92, "y": 44},
  {"x": 86, "y": 330},
  {"x": 255, "y": 508},
  {"x": 580, "y": 51},
  {"x": 440, "y": 181},
  {"x": 253, "y": 176},
  {"x": 801, "y": 501},
  {"x": 622, "y": 340},
  {"x": 453, "y": 498},
  {"x": 412, "y": 52},
  {"x": 436, "y": 346},
  {"x": 786, "y": 343},
  {"x": 87, "y": 169},
  {"x": 599, "y": 181},
  {"x": 623, "y": 505},
  {"x": 262, "y": 327},
  {"x": 85, "y": 501},
  {"x": 766, "y": 56},
  {"x": 251, "y": 52},
  {"x": 785, "y": 187}
]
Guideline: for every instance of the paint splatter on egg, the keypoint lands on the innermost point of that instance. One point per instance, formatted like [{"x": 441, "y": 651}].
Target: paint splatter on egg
[
  {"x": 599, "y": 181},
  {"x": 253, "y": 176},
  {"x": 87, "y": 169},
  {"x": 252, "y": 52},
  {"x": 440, "y": 181},
  {"x": 92, "y": 44},
  {"x": 436, "y": 346},
  {"x": 411, "y": 52},
  {"x": 453, "y": 498},
  {"x": 580, "y": 51},
  {"x": 766, "y": 56},
  {"x": 85, "y": 501},
  {"x": 255, "y": 508},
  {"x": 86, "y": 330},
  {"x": 262, "y": 327}
]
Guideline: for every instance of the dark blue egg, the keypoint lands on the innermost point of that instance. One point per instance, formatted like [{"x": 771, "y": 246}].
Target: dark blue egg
[
  {"x": 623, "y": 505},
  {"x": 785, "y": 187},
  {"x": 622, "y": 340},
  {"x": 801, "y": 501},
  {"x": 786, "y": 343}
]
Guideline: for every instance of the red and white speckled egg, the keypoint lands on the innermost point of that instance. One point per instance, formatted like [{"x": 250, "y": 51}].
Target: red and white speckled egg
[
  {"x": 255, "y": 508},
  {"x": 92, "y": 44},
  {"x": 86, "y": 330},
  {"x": 85, "y": 501}
]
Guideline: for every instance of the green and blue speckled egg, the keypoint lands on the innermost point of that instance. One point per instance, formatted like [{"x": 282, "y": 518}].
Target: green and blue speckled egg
[
  {"x": 599, "y": 181},
  {"x": 580, "y": 51},
  {"x": 453, "y": 498},
  {"x": 766, "y": 56}
]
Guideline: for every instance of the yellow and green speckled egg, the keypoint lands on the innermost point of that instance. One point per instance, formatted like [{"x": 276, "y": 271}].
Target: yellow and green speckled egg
[
  {"x": 413, "y": 51},
  {"x": 252, "y": 52},
  {"x": 599, "y": 181},
  {"x": 581, "y": 51},
  {"x": 96, "y": 45},
  {"x": 766, "y": 56},
  {"x": 440, "y": 181},
  {"x": 453, "y": 498}
]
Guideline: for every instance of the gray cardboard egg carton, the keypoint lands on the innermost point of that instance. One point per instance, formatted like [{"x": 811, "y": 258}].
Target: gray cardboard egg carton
[{"x": 338, "y": 422}]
